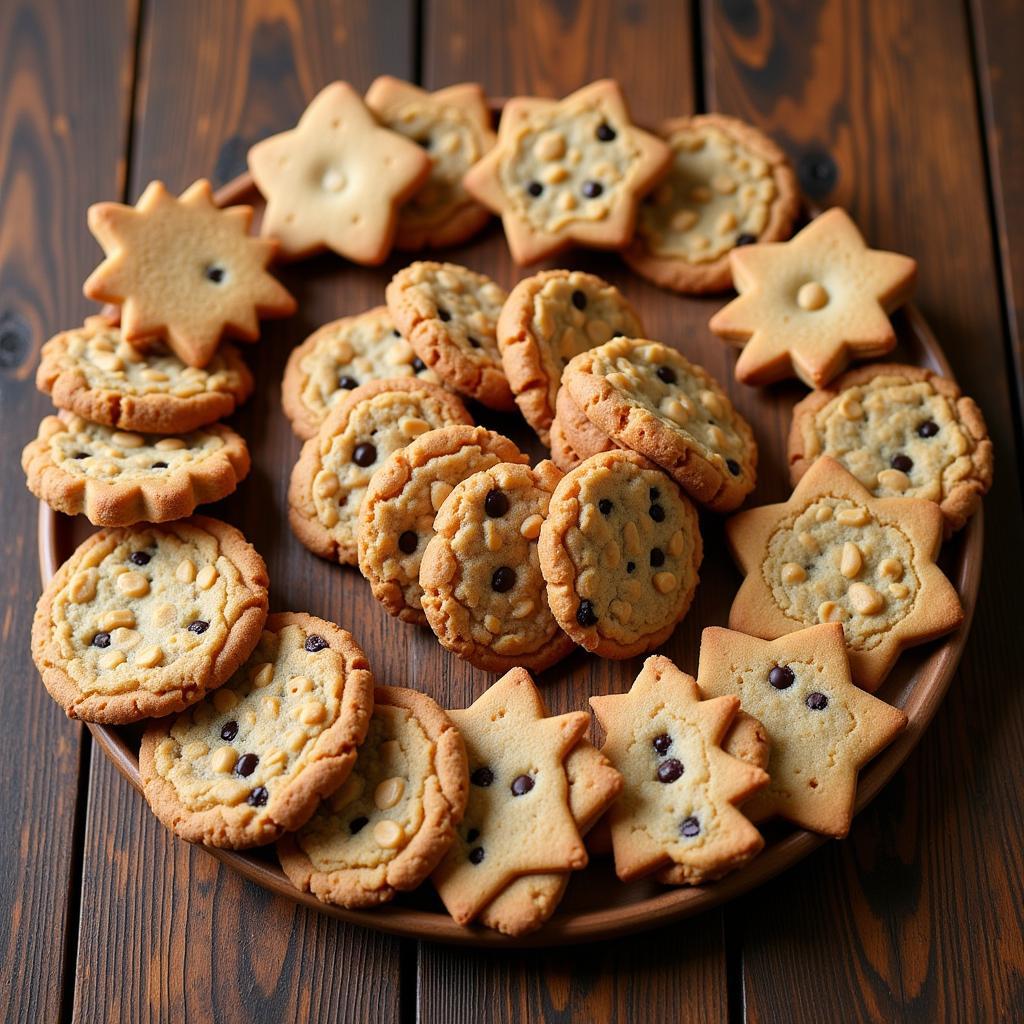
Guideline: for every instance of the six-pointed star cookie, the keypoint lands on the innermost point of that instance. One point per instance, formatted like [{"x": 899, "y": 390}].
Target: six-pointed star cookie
[
  {"x": 568, "y": 171},
  {"x": 184, "y": 270},
  {"x": 822, "y": 728},
  {"x": 336, "y": 180},
  {"x": 833, "y": 553},
  {"x": 809, "y": 305},
  {"x": 518, "y": 820},
  {"x": 678, "y": 810}
]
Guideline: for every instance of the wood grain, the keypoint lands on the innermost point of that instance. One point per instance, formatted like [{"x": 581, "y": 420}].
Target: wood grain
[
  {"x": 910, "y": 919},
  {"x": 62, "y": 132}
]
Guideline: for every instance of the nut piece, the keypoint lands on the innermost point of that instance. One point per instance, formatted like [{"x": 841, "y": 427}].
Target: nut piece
[
  {"x": 186, "y": 571},
  {"x": 83, "y": 586},
  {"x": 793, "y": 573},
  {"x": 531, "y": 526},
  {"x": 388, "y": 833},
  {"x": 665, "y": 582},
  {"x": 133, "y": 584},
  {"x": 263, "y": 675},
  {"x": 312, "y": 713},
  {"x": 224, "y": 700},
  {"x": 894, "y": 480},
  {"x": 120, "y": 618},
  {"x": 388, "y": 792},
  {"x": 206, "y": 578},
  {"x": 865, "y": 600},
  {"x": 851, "y": 561},
  {"x": 853, "y": 517},
  {"x": 890, "y": 569},
  {"x": 829, "y": 611},
  {"x": 224, "y": 759},
  {"x": 150, "y": 657}
]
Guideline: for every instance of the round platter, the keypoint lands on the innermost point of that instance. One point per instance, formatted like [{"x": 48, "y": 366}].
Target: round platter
[{"x": 596, "y": 905}]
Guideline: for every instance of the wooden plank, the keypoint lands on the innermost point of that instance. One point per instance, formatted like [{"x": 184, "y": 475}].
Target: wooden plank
[
  {"x": 62, "y": 131},
  {"x": 912, "y": 917},
  {"x": 164, "y": 926}
]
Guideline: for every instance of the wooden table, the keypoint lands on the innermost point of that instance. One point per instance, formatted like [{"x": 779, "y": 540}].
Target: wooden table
[{"x": 901, "y": 110}]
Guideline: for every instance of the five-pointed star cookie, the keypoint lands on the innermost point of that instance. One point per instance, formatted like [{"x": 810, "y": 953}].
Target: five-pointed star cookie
[
  {"x": 677, "y": 811},
  {"x": 568, "y": 171},
  {"x": 833, "y": 553},
  {"x": 808, "y": 306},
  {"x": 822, "y": 728},
  {"x": 184, "y": 270},
  {"x": 518, "y": 820},
  {"x": 336, "y": 180}
]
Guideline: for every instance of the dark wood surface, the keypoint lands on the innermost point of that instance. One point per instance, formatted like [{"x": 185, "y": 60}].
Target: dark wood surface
[{"x": 905, "y": 112}]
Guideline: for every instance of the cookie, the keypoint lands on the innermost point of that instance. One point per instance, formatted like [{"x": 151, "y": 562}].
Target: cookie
[
  {"x": 340, "y": 356},
  {"x": 620, "y": 550},
  {"x": 118, "y": 478},
  {"x": 336, "y": 180},
  {"x": 833, "y": 553},
  {"x": 548, "y": 319},
  {"x": 453, "y": 126},
  {"x": 646, "y": 396},
  {"x": 822, "y": 728},
  {"x": 902, "y": 431},
  {"x": 568, "y": 172},
  {"x": 449, "y": 314},
  {"x": 728, "y": 185},
  {"x": 252, "y": 761},
  {"x": 677, "y": 814},
  {"x": 396, "y": 521},
  {"x": 94, "y": 372},
  {"x": 517, "y": 818},
  {"x": 483, "y": 592},
  {"x": 387, "y": 827},
  {"x": 808, "y": 306},
  {"x": 143, "y": 621},
  {"x": 184, "y": 271},
  {"x": 573, "y": 437},
  {"x": 335, "y": 467}
]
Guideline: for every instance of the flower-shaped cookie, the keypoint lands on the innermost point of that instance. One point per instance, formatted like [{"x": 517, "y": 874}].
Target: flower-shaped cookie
[{"x": 808, "y": 306}]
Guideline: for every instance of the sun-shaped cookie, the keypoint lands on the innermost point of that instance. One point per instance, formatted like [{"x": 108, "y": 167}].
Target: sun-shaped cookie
[
  {"x": 808, "y": 306},
  {"x": 184, "y": 270}
]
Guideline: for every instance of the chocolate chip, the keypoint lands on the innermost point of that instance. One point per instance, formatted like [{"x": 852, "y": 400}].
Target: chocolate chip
[
  {"x": 396, "y": 332},
  {"x": 928, "y": 429},
  {"x": 443, "y": 315},
  {"x": 734, "y": 466},
  {"x": 473, "y": 342},
  {"x": 662, "y": 743},
  {"x": 522, "y": 784},
  {"x": 670, "y": 770},
  {"x": 781, "y": 677},
  {"x": 904, "y": 463},
  {"x": 246, "y": 765},
  {"x": 357, "y": 824},
  {"x": 655, "y": 494},
  {"x": 745, "y": 238},
  {"x": 476, "y": 855},
  {"x": 408, "y": 542},
  {"x": 101, "y": 640},
  {"x": 591, "y": 189},
  {"x": 418, "y": 365},
  {"x": 689, "y": 827},
  {"x": 503, "y": 579},
  {"x": 816, "y": 701},
  {"x": 314, "y": 643},
  {"x": 215, "y": 274},
  {"x": 229, "y": 730},
  {"x": 630, "y": 566},
  {"x": 605, "y": 132},
  {"x": 605, "y": 505},
  {"x": 585, "y": 614},
  {"x": 579, "y": 299},
  {"x": 657, "y": 557},
  {"x": 347, "y": 383},
  {"x": 258, "y": 797},
  {"x": 496, "y": 504},
  {"x": 80, "y": 455},
  {"x": 364, "y": 454},
  {"x": 199, "y": 626},
  {"x": 159, "y": 465},
  {"x": 666, "y": 374},
  {"x": 482, "y": 776},
  {"x": 425, "y": 143},
  {"x": 535, "y": 188},
  {"x": 472, "y": 835},
  {"x": 139, "y": 558},
  {"x": 657, "y": 513}
]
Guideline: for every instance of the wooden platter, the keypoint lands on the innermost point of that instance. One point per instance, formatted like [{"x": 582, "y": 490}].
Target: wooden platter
[{"x": 596, "y": 905}]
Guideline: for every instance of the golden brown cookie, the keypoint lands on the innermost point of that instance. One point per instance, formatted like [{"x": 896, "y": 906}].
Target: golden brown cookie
[
  {"x": 145, "y": 620},
  {"x": 118, "y": 478},
  {"x": 573, "y": 437}
]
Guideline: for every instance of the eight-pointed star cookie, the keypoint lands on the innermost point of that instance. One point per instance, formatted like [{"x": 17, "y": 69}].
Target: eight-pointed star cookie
[
  {"x": 518, "y": 820},
  {"x": 184, "y": 270},
  {"x": 336, "y": 180},
  {"x": 833, "y": 553},
  {"x": 677, "y": 813},
  {"x": 568, "y": 171},
  {"x": 808, "y": 306},
  {"x": 822, "y": 728}
]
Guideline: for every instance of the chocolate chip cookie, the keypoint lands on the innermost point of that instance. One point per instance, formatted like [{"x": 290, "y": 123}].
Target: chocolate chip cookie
[{"x": 573, "y": 437}]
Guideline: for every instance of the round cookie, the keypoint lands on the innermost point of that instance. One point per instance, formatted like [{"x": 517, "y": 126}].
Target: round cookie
[
  {"x": 902, "y": 431},
  {"x": 385, "y": 830},
  {"x": 337, "y": 358},
  {"x": 93, "y": 372},
  {"x": 546, "y": 320},
  {"x": 335, "y": 467},
  {"x": 449, "y": 314},
  {"x": 728, "y": 185},
  {"x": 620, "y": 550},
  {"x": 646, "y": 396},
  {"x": 573, "y": 437},
  {"x": 117, "y": 478},
  {"x": 396, "y": 520},
  {"x": 253, "y": 760},
  {"x": 483, "y": 592},
  {"x": 143, "y": 621}
]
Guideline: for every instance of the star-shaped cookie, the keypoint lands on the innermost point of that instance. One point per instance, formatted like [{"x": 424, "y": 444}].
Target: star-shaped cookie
[
  {"x": 336, "y": 180},
  {"x": 822, "y": 728},
  {"x": 833, "y": 553},
  {"x": 184, "y": 270},
  {"x": 677, "y": 813},
  {"x": 568, "y": 171},
  {"x": 518, "y": 820},
  {"x": 808, "y": 306}
]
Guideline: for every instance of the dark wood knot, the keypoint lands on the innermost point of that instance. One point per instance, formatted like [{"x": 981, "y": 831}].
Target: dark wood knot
[
  {"x": 817, "y": 172},
  {"x": 15, "y": 339}
]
